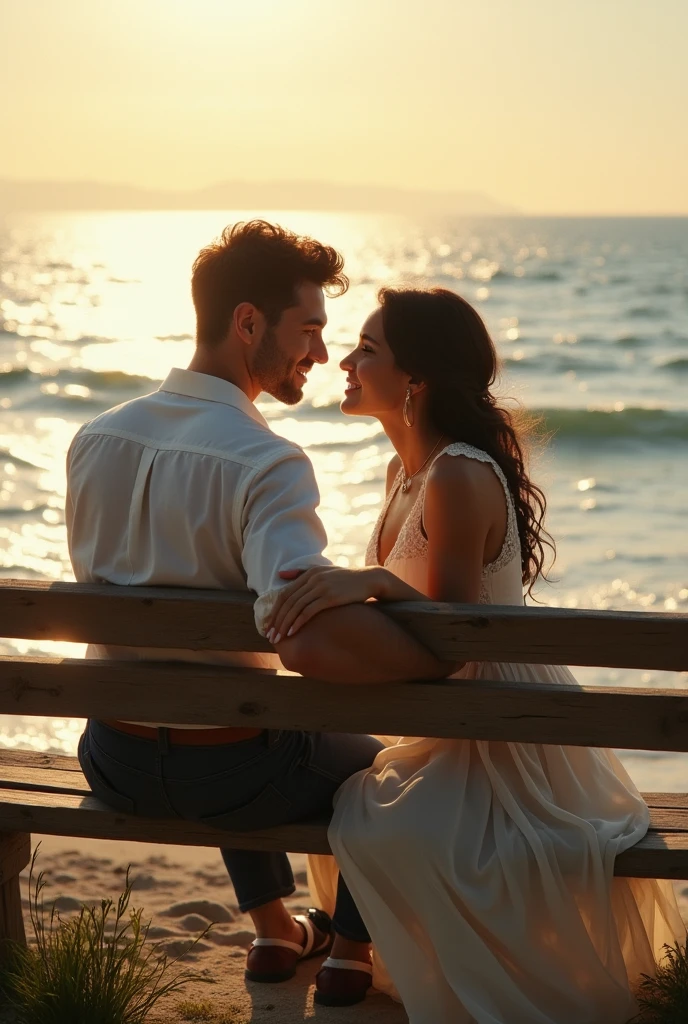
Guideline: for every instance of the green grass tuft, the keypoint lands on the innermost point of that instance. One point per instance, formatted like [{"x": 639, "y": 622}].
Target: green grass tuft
[
  {"x": 191, "y": 1010},
  {"x": 663, "y": 999},
  {"x": 95, "y": 969}
]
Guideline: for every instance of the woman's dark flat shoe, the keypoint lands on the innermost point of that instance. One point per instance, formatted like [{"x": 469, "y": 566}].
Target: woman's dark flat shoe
[{"x": 342, "y": 982}]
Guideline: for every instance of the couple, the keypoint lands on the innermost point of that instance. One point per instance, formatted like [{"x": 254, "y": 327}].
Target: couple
[{"x": 481, "y": 871}]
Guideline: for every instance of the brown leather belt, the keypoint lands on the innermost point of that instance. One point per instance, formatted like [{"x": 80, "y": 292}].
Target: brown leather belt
[{"x": 187, "y": 737}]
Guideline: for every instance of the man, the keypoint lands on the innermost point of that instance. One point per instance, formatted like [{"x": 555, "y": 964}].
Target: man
[{"x": 189, "y": 487}]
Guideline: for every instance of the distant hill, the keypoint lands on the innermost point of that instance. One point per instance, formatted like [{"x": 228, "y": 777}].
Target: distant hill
[{"x": 242, "y": 195}]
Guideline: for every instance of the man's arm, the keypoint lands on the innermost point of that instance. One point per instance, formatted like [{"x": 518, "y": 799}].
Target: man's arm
[
  {"x": 359, "y": 644},
  {"x": 354, "y": 644}
]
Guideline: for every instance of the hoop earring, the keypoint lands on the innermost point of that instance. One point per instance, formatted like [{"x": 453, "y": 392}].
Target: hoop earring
[{"x": 407, "y": 411}]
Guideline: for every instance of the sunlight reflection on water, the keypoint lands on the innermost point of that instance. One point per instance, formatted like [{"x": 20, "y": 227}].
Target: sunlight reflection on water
[{"x": 95, "y": 308}]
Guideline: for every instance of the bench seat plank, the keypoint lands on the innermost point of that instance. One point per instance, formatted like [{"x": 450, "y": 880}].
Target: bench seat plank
[
  {"x": 640, "y": 719},
  {"x": 663, "y": 853},
  {"x": 66, "y": 762},
  {"x": 31, "y": 770},
  {"x": 657, "y": 855},
  {"x": 42, "y": 780},
  {"x": 38, "y": 759},
  {"x": 51, "y": 780},
  {"x": 48, "y": 780},
  {"x": 66, "y": 814},
  {"x": 669, "y": 800}
]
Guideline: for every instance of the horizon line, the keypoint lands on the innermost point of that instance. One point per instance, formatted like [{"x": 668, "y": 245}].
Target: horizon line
[
  {"x": 507, "y": 211},
  {"x": 516, "y": 215}
]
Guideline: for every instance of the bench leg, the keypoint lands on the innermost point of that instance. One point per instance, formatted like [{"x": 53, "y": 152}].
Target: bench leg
[{"x": 15, "y": 854}]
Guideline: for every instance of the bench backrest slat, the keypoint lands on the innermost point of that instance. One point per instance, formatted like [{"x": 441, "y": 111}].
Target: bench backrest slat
[
  {"x": 223, "y": 620},
  {"x": 214, "y": 695}
]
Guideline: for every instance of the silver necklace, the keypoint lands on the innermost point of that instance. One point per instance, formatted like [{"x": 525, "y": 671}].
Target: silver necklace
[{"x": 406, "y": 480}]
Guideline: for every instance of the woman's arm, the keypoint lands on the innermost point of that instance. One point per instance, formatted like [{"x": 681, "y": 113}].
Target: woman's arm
[
  {"x": 464, "y": 514},
  {"x": 458, "y": 517},
  {"x": 322, "y": 587}
]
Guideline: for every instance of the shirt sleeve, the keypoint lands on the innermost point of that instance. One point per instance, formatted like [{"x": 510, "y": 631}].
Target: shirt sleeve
[{"x": 281, "y": 529}]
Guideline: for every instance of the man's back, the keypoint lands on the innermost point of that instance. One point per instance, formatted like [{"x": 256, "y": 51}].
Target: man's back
[{"x": 189, "y": 487}]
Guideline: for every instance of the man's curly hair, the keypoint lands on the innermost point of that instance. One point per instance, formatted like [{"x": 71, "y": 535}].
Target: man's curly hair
[{"x": 261, "y": 263}]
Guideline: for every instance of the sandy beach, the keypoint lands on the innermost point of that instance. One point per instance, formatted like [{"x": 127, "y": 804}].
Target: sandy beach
[{"x": 181, "y": 890}]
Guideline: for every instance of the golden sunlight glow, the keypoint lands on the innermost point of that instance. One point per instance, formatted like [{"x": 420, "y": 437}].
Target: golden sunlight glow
[{"x": 544, "y": 107}]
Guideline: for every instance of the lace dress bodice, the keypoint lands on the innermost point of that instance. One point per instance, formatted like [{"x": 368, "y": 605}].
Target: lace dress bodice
[{"x": 501, "y": 579}]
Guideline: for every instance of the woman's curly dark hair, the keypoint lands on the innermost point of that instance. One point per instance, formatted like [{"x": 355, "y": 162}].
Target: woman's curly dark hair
[{"x": 438, "y": 338}]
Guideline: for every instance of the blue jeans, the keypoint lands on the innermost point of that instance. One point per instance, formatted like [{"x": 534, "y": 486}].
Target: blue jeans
[{"x": 272, "y": 779}]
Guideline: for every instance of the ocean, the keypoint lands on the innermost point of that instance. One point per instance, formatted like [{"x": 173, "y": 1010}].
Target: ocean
[{"x": 590, "y": 317}]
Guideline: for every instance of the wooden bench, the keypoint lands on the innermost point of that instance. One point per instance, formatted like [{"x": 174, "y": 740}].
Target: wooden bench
[{"x": 47, "y": 794}]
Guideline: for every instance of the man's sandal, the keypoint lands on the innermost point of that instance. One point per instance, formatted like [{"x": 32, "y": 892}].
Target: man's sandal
[
  {"x": 342, "y": 982},
  {"x": 274, "y": 960}
]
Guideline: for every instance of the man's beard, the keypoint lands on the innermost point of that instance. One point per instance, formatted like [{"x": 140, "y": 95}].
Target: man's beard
[{"x": 274, "y": 371}]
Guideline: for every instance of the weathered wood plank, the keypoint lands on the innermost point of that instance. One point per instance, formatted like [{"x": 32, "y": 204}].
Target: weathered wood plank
[
  {"x": 668, "y": 811},
  {"x": 69, "y": 815},
  {"x": 669, "y": 800},
  {"x": 129, "y": 616},
  {"x": 48, "y": 780},
  {"x": 630, "y": 718},
  {"x": 673, "y": 819},
  {"x": 38, "y": 759},
  {"x": 223, "y": 620},
  {"x": 658, "y": 855},
  {"x": 15, "y": 854},
  {"x": 42, "y": 780}
]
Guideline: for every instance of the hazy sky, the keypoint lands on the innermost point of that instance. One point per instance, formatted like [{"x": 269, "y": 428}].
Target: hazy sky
[{"x": 571, "y": 106}]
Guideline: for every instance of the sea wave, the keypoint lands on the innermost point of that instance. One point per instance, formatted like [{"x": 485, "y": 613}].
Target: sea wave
[
  {"x": 678, "y": 364},
  {"x": 631, "y": 341},
  {"x": 7, "y": 456},
  {"x": 98, "y": 380},
  {"x": 631, "y": 422},
  {"x": 552, "y": 363},
  {"x": 645, "y": 313},
  {"x": 11, "y": 511}
]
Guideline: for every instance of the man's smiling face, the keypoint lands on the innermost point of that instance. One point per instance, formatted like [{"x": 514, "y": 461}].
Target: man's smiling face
[{"x": 288, "y": 350}]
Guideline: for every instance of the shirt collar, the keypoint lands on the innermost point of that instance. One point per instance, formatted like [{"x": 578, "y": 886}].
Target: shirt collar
[{"x": 210, "y": 389}]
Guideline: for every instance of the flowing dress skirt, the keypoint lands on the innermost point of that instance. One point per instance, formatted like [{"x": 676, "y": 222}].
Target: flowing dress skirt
[{"x": 484, "y": 872}]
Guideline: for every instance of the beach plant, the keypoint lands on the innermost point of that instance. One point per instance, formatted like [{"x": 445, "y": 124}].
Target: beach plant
[
  {"x": 204, "y": 1010},
  {"x": 193, "y": 1010},
  {"x": 97, "y": 968},
  {"x": 663, "y": 998}
]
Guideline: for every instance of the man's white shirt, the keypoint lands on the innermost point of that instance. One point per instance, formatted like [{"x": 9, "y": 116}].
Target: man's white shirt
[{"x": 189, "y": 487}]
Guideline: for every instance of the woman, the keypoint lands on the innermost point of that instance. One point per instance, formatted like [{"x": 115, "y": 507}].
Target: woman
[{"x": 483, "y": 870}]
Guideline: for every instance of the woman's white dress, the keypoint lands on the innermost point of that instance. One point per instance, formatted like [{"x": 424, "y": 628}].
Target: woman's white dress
[{"x": 484, "y": 870}]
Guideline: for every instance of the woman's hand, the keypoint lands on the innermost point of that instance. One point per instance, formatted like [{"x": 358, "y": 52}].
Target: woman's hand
[{"x": 319, "y": 588}]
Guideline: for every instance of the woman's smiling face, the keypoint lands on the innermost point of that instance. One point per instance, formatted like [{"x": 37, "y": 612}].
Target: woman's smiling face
[{"x": 375, "y": 385}]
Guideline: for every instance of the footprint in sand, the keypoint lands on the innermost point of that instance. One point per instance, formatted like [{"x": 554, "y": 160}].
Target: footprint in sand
[
  {"x": 216, "y": 913},
  {"x": 193, "y": 923},
  {"x": 183, "y": 948}
]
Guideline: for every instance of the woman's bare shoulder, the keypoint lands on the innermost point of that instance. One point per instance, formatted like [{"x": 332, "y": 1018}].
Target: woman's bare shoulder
[{"x": 458, "y": 478}]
